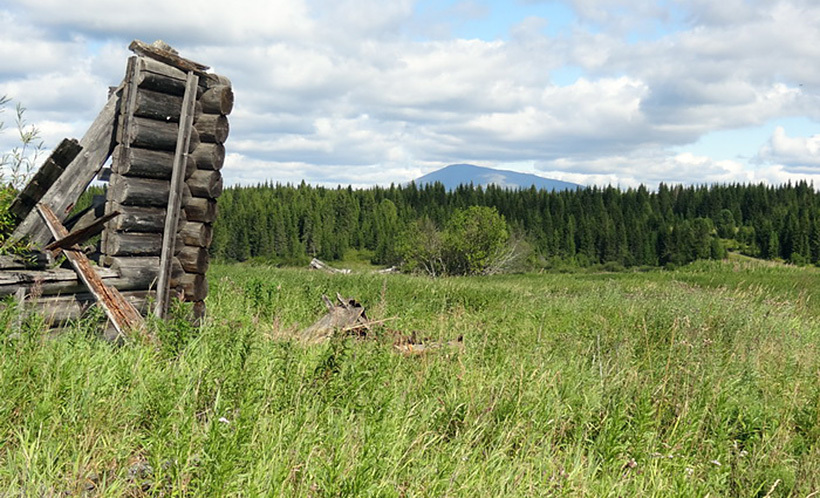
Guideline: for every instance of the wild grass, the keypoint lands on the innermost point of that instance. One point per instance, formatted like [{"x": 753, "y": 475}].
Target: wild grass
[{"x": 702, "y": 381}]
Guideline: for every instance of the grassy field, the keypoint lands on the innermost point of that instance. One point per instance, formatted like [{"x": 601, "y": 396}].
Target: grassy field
[{"x": 695, "y": 382}]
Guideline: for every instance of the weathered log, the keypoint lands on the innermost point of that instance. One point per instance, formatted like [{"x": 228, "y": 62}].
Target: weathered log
[
  {"x": 193, "y": 287},
  {"x": 194, "y": 259},
  {"x": 155, "y": 75},
  {"x": 160, "y": 106},
  {"x": 142, "y": 269},
  {"x": 34, "y": 261},
  {"x": 210, "y": 80},
  {"x": 44, "y": 178},
  {"x": 139, "y": 219},
  {"x": 133, "y": 244},
  {"x": 97, "y": 144},
  {"x": 131, "y": 191},
  {"x": 348, "y": 315},
  {"x": 166, "y": 55},
  {"x": 147, "y": 163},
  {"x": 212, "y": 128},
  {"x": 200, "y": 209},
  {"x": 58, "y": 311},
  {"x": 209, "y": 156},
  {"x": 217, "y": 100},
  {"x": 196, "y": 234},
  {"x": 205, "y": 183},
  {"x": 153, "y": 134},
  {"x": 63, "y": 281}
]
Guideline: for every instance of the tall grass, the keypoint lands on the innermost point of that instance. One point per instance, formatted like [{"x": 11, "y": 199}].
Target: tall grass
[{"x": 687, "y": 383}]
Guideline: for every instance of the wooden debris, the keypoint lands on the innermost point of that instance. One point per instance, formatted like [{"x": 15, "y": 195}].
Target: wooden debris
[
  {"x": 348, "y": 316},
  {"x": 316, "y": 264}
]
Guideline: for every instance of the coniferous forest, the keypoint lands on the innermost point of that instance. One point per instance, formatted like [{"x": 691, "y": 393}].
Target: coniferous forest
[{"x": 594, "y": 226}]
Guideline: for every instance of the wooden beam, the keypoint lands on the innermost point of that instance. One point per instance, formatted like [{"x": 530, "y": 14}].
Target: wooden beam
[
  {"x": 167, "y": 56},
  {"x": 123, "y": 315},
  {"x": 97, "y": 144},
  {"x": 81, "y": 235},
  {"x": 186, "y": 122}
]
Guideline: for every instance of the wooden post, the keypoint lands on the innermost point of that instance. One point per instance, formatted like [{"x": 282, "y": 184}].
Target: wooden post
[
  {"x": 186, "y": 121},
  {"x": 122, "y": 313}
]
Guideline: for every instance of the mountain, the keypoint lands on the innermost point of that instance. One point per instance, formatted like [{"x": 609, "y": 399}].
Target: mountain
[{"x": 457, "y": 174}]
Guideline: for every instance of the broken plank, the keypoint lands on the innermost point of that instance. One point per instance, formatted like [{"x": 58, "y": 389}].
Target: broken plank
[{"x": 81, "y": 235}]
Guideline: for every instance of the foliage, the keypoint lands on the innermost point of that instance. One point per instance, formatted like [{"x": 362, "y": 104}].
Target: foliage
[
  {"x": 583, "y": 228},
  {"x": 696, "y": 382}
]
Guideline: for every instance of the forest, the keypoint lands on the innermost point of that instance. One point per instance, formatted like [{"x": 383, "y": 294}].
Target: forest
[{"x": 609, "y": 226}]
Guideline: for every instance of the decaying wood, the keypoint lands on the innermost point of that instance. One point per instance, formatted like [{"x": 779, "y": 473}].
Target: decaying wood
[
  {"x": 316, "y": 264},
  {"x": 204, "y": 183},
  {"x": 194, "y": 233},
  {"x": 81, "y": 234},
  {"x": 33, "y": 261},
  {"x": 175, "y": 197},
  {"x": 153, "y": 134},
  {"x": 209, "y": 156},
  {"x": 122, "y": 314},
  {"x": 200, "y": 209},
  {"x": 147, "y": 163},
  {"x": 161, "y": 77},
  {"x": 133, "y": 244},
  {"x": 192, "y": 286},
  {"x": 217, "y": 100},
  {"x": 44, "y": 178},
  {"x": 194, "y": 259},
  {"x": 58, "y": 311},
  {"x": 213, "y": 128},
  {"x": 131, "y": 191},
  {"x": 97, "y": 144},
  {"x": 138, "y": 219},
  {"x": 160, "y": 106},
  {"x": 346, "y": 315},
  {"x": 166, "y": 56},
  {"x": 88, "y": 215}
]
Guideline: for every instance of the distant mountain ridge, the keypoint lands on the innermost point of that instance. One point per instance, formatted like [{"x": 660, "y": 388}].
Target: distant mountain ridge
[{"x": 464, "y": 174}]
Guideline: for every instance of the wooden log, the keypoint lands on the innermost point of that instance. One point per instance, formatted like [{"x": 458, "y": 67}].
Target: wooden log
[
  {"x": 58, "y": 311},
  {"x": 200, "y": 209},
  {"x": 36, "y": 260},
  {"x": 217, "y": 100},
  {"x": 161, "y": 77},
  {"x": 143, "y": 269},
  {"x": 139, "y": 219},
  {"x": 209, "y": 156},
  {"x": 212, "y": 128},
  {"x": 123, "y": 315},
  {"x": 133, "y": 244},
  {"x": 160, "y": 106},
  {"x": 131, "y": 191},
  {"x": 147, "y": 163},
  {"x": 158, "y": 135},
  {"x": 166, "y": 56},
  {"x": 62, "y": 281},
  {"x": 44, "y": 178},
  {"x": 192, "y": 287},
  {"x": 204, "y": 183},
  {"x": 194, "y": 259},
  {"x": 197, "y": 234},
  {"x": 97, "y": 144},
  {"x": 210, "y": 79}
]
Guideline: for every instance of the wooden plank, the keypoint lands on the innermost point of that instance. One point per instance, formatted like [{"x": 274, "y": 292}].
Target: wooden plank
[
  {"x": 123, "y": 315},
  {"x": 166, "y": 55},
  {"x": 81, "y": 235},
  {"x": 44, "y": 178},
  {"x": 175, "y": 196},
  {"x": 97, "y": 144}
]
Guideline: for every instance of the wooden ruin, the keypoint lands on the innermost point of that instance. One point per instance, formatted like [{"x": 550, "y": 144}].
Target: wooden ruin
[{"x": 164, "y": 129}]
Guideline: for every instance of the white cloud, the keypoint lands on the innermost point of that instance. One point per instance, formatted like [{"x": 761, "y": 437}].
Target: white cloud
[{"x": 793, "y": 154}]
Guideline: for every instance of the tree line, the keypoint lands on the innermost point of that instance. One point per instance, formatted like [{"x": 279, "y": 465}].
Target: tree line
[{"x": 592, "y": 226}]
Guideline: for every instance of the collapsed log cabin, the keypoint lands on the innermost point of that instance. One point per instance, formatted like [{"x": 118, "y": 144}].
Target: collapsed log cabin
[{"x": 164, "y": 128}]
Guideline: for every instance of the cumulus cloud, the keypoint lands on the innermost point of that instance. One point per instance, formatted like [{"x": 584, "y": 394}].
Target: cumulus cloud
[{"x": 372, "y": 92}]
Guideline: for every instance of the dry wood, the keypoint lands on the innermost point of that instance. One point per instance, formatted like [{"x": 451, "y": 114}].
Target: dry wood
[
  {"x": 194, "y": 259},
  {"x": 139, "y": 219},
  {"x": 194, "y": 233},
  {"x": 44, "y": 178},
  {"x": 191, "y": 286},
  {"x": 97, "y": 144},
  {"x": 316, "y": 264},
  {"x": 57, "y": 311},
  {"x": 147, "y": 163},
  {"x": 200, "y": 209},
  {"x": 166, "y": 56},
  {"x": 175, "y": 197},
  {"x": 211, "y": 79},
  {"x": 143, "y": 269},
  {"x": 218, "y": 99},
  {"x": 133, "y": 244},
  {"x": 161, "y": 77},
  {"x": 88, "y": 215},
  {"x": 160, "y": 106},
  {"x": 205, "y": 183},
  {"x": 131, "y": 191},
  {"x": 80, "y": 235},
  {"x": 37, "y": 260},
  {"x": 212, "y": 128},
  {"x": 153, "y": 134},
  {"x": 209, "y": 156},
  {"x": 122, "y": 314},
  {"x": 347, "y": 315}
]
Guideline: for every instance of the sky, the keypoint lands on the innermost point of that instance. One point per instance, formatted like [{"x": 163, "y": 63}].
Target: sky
[{"x": 373, "y": 92}]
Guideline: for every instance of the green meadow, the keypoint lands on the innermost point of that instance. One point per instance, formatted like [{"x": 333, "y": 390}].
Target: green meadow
[{"x": 700, "y": 381}]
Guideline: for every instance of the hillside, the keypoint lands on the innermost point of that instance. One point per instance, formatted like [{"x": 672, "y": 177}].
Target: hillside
[{"x": 464, "y": 174}]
